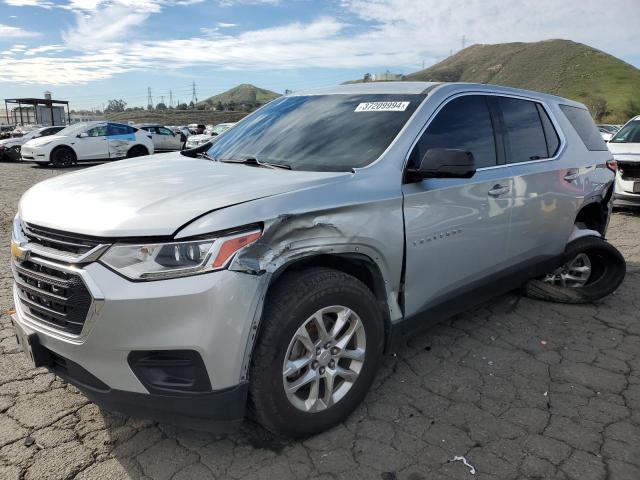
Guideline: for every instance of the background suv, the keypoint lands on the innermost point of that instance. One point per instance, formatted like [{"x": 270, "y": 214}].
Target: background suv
[
  {"x": 10, "y": 147},
  {"x": 625, "y": 146},
  {"x": 276, "y": 267}
]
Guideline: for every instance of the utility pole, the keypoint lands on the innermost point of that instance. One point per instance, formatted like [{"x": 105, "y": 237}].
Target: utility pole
[
  {"x": 194, "y": 95},
  {"x": 170, "y": 98},
  {"x": 149, "y": 99}
]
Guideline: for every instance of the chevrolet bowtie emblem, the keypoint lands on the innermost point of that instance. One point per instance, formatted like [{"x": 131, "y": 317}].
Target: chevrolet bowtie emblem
[{"x": 17, "y": 252}]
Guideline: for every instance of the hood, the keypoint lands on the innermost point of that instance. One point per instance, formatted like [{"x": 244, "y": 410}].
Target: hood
[
  {"x": 36, "y": 142},
  {"x": 9, "y": 142},
  {"x": 625, "y": 151},
  {"x": 154, "y": 195}
]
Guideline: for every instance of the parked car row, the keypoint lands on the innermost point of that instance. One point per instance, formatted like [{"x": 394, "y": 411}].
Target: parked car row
[{"x": 99, "y": 141}]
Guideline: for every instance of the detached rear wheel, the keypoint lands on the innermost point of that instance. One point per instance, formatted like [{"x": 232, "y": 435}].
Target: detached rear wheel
[
  {"x": 319, "y": 349},
  {"x": 591, "y": 270}
]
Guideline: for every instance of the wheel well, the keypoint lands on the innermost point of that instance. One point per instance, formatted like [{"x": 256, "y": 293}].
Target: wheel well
[
  {"x": 139, "y": 145},
  {"x": 356, "y": 265},
  {"x": 593, "y": 216},
  {"x": 62, "y": 147}
]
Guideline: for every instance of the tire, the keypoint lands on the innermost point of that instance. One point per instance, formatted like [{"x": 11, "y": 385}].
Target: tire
[
  {"x": 137, "y": 151},
  {"x": 292, "y": 301},
  {"x": 63, "y": 157},
  {"x": 608, "y": 269}
]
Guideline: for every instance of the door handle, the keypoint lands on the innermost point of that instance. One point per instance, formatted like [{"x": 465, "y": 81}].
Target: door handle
[
  {"x": 571, "y": 176},
  {"x": 498, "y": 190}
]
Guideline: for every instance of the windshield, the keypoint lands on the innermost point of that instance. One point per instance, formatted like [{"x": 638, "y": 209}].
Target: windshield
[
  {"x": 319, "y": 132},
  {"x": 72, "y": 130},
  {"x": 630, "y": 133},
  {"x": 218, "y": 129}
]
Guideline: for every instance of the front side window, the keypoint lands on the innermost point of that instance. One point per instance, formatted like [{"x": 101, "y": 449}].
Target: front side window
[
  {"x": 524, "y": 133},
  {"x": 165, "y": 131},
  {"x": 99, "y": 131},
  {"x": 463, "y": 124},
  {"x": 319, "y": 132},
  {"x": 630, "y": 133}
]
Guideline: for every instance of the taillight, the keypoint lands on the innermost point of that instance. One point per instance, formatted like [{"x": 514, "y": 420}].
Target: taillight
[{"x": 612, "y": 165}]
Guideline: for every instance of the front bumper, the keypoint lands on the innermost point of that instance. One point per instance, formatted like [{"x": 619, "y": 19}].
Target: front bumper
[
  {"x": 34, "y": 154},
  {"x": 624, "y": 192},
  {"x": 212, "y": 314}
]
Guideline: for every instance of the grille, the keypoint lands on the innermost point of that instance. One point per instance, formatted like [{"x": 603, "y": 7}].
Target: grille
[
  {"x": 62, "y": 241},
  {"x": 629, "y": 171},
  {"x": 54, "y": 297}
]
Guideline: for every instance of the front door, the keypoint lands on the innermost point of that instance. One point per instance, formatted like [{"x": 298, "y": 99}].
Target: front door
[
  {"x": 94, "y": 146},
  {"x": 456, "y": 229},
  {"x": 121, "y": 139}
]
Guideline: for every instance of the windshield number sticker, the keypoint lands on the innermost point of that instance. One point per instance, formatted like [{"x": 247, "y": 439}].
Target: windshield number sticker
[{"x": 382, "y": 107}]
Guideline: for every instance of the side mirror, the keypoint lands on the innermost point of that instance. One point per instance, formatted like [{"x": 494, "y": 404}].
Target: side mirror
[
  {"x": 83, "y": 135},
  {"x": 445, "y": 163}
]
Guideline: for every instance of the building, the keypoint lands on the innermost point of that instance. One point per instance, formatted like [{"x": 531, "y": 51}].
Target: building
[
  {"x": 36, "y": 111},
  {"x": 386, "y": 77},
  {"x": 80, "y": 117}
]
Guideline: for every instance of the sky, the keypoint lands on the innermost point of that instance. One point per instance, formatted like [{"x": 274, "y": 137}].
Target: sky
[{"x": 90, "y": 51}]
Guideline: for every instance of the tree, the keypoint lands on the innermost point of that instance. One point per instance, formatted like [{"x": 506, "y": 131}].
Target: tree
[
  {"x": 219, "y": 106},
  {"x": 598, "y": 107},
  {"x": 182, "y": 106},
  {"x": 201, "y": 106},
  {"x": 631, "y": 109},
  {"x": 367, "y": 77},
  {"x": 115, "y": 106},
  {"x": 161, "y": 106},
  {"x": 231, "y": 105}
]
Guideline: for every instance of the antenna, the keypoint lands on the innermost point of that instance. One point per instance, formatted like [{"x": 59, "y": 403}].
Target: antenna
[
  {"x": 149, "y": 99},
  {"x": 194, "y": 95}
]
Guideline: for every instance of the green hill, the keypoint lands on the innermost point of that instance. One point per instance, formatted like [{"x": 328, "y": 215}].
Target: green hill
[
  {"x": 560, "y": 67},
  {"x": 244, "y": 94}
]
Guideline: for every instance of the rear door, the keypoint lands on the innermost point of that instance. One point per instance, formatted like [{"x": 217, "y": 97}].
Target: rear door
[
  {"x": 94, "y": 146},
  {"x": 169, "y": 141},
  {"x": 457, "y": 229},
  {"x": 544, "y": 192},
  {"x": 120, "y": 138}
]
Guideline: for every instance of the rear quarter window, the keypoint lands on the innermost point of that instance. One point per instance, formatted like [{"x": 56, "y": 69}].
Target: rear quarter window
[{"x": 586, "y": 128}]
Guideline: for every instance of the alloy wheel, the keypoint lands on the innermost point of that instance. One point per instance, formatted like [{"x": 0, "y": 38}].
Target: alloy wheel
[
  {"x": 574, "y": 273},
  {"x": 324, "y": 358}
]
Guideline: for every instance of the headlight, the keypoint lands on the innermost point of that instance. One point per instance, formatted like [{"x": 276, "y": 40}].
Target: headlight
[{"x": 152, "y": 261}]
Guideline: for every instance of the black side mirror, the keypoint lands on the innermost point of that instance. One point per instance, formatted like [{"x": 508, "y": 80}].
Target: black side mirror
[{"x": 445, "y": 163}]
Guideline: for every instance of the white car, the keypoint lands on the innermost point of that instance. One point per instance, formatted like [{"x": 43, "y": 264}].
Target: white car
[
  {"x": 10, "y": 147},
  {"x": 164, "y": 138},
  {"x": 87, "y": 142},
  {"x": 196, "y": 140},
  {"x": 625, "y": 146}
]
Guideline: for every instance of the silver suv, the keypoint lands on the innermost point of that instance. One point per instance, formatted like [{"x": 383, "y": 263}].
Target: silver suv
[{"x": 275, "y": 267}]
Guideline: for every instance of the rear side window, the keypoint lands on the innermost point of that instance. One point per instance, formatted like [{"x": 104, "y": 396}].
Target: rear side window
[
  {"x": 585, "y": 126},
  {"x": 550, "y": 133},
  {"x": 464, "y": 124},
  {"x": 524, "y": 133},
  {"x": 116, "y": 129}
]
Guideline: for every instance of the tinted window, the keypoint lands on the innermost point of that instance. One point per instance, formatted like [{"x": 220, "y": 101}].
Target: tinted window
[
  {"x": 119, "y": 129},
  {"x": 550, "y": 133},
  {"x": 630, "y": 133},
  {"x": 584, "y": 125},
  {"x": 524, "y": 136},
  {"x": 465, "y": 124},
  {"x": 319, "y": 132}
]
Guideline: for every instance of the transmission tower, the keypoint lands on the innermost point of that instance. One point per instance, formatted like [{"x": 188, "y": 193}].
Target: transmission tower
[
  {"x": 161, "y": 98},
  {"x": 171, "y": 98},
  {"x": 464, "y": 41},
  {"x": 194, "y": 96},
  {"x": 149, "y": 99}
]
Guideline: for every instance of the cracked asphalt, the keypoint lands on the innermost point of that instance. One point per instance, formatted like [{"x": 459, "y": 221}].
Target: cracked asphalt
[{"x": 520, "y": 388}]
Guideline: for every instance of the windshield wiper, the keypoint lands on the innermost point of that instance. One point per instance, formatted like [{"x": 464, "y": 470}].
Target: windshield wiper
[{"x": 256, "y": 162}]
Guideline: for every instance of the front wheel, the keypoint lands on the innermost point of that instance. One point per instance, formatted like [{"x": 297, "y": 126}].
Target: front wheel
[
  {"x": 592, "y": 269},
  {"x": 320, "y": 346}
]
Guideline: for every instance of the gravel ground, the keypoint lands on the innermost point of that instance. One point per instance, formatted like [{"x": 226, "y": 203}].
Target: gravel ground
[{"x": 522, "y": 389}]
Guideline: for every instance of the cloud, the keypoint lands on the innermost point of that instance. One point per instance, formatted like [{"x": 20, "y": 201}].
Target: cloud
[
  {"x": 368, "y": 34},
  {"x": 8, "y": 32},
  {"x": 226, "y": 25},
  {"x": 30, "y": 3}
]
